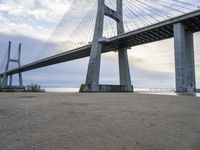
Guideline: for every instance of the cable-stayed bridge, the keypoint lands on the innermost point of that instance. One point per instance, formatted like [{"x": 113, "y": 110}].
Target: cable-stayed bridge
[{"x": 119, "y": 25}]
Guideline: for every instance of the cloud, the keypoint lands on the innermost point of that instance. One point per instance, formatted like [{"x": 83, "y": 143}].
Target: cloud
[
  {"x": 39, "y": 18},
  {"x": 32, "y": 17}
]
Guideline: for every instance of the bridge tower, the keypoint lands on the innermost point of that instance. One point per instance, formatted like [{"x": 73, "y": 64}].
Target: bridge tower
[
  {"x": 184, "y": 58},
  {"x": 92, "y": 79},
  {"x": 4, "y": 82}
]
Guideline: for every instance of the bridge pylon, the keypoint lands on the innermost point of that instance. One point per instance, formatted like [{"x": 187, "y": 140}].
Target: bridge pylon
[
  {"x": 92, "y": 79},
  {"x": 4, "y": 81}
]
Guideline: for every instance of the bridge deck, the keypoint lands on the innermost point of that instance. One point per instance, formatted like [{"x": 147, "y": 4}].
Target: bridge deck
[{"x": 156, "y": 32}]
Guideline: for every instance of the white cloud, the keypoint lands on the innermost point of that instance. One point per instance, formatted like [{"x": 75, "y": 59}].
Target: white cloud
[
  {"x": 47, "y": 9},
  {"x": 32, "y": 17}
]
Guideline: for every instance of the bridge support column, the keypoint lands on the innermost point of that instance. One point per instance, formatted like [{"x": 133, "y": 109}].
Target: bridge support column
[
  {"x": 9, "y": 60},
  {"x": 92, "y": 79},
  {"x": 10, "y": 82},
  {"x": 0, "y": 81},
  {"x": 184, "y": 59},
  {"x": 124, "y": 71},
  {"x": 5, "y": 76},
  {"x": 20, "y": 80},
  {"x": 5, "y": 80},
  {"x": 19, "y": 65}
]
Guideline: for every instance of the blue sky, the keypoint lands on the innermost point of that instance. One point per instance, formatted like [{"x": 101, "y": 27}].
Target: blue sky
[{"x": 32, "y": 22}]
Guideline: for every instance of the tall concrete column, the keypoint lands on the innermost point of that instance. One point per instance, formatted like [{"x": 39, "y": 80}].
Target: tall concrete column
[
  {"x": 93, "y": 72},
  {"x": 5, "y": 76},
  {"x": 19, "y": 64},
  {"x": 0, "y": 81},
  {"x": 190, "y": 62},
  {"x": 184, "y": 59},
  {"x": 124, "y": 71},
  {"x": 5, "y": 80},
  {"x": 10, "y": 82},
  {"x": 20, "y": 80}
]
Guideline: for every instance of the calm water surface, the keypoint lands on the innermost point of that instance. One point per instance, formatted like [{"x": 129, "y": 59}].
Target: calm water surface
[{"x": 137, "y": 90}]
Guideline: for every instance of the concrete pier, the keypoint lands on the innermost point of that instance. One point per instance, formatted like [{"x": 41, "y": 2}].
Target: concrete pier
[
  {"x": 124, "y": 71},
  {"x": 190, "y": 61},
  {"x": 92, "y": 79},
  {"x": 12, "y": 88},
  {"x": 184, "y": 59},
  {"x": 10, "y": 82},
  {"x": 1, "y": 81}
]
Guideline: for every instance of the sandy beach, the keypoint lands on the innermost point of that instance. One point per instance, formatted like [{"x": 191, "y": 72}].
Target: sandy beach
[{"x": 113, "y": 121}]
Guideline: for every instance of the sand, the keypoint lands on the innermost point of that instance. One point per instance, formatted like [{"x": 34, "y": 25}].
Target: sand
[{"x": 114, "y": 121}]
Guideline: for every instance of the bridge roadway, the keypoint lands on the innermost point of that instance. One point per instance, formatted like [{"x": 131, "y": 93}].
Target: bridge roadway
[{"x": 156, "y": 32}]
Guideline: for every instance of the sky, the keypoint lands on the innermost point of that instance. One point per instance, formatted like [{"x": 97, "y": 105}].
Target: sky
[{"x": 41, "y": 25}]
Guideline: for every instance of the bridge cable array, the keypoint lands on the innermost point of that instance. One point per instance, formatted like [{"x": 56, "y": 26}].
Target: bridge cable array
[{"x": 69, "y": 34}]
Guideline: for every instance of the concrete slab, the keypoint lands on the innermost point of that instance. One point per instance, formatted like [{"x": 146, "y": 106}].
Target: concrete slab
[{"x": 111, "y": 121}]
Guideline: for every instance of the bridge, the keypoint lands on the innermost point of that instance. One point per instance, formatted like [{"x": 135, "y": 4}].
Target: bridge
[{"x": 181, "y": 28}]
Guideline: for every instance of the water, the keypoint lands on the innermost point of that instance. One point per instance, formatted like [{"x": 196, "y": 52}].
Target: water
[
  {"x": 169, "y": 93},
  {"x": 137, "y": 90},
  {"x": 61, "y": 89}
]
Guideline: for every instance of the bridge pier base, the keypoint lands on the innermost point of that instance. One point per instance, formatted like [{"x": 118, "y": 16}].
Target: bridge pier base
[
  {"x": 105, "y": 88},
  {"x": 5, "y": 80},
  {"x": 184, "y": 59}
]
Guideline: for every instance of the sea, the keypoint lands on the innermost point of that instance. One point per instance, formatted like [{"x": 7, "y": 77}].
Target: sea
[{"x": 154, "y": 91}]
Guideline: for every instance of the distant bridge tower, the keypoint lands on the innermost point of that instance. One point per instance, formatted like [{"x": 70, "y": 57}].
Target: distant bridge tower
[
  {"x": 4, "y": 82},
  {"x": 92, "y": 79}
]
